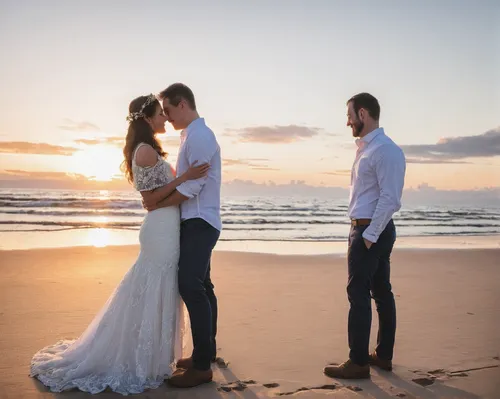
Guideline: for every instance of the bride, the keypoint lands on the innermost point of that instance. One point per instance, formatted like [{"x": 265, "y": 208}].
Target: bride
[{"x": 133, "y": 342}]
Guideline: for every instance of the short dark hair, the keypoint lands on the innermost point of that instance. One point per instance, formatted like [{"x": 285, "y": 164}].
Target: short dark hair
[
  {"x": 176, "y": 93},
  {"x": 366, "y": 101}
]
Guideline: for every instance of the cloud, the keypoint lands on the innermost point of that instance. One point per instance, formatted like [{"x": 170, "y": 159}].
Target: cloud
[
  {"x": 246, "y": 162},
  {"x": 25, "y": 174},
  {"x": 276, "y": 134},
  {"x": 435, "y": 161},
  {"x": 452, "y": 148},
  {"x": 22, "y": 147},
  {"x": 263, "y": 168},
  {"x": 56, "y": 180},
  {"x": 239, "y": 187},
  {"x": 103, "y": 140},
  {"x": 115, "y": 140},
  {"x": 166, "y": 141},
  {"x": 232, "y": 162},
  {"x": 423, "y": 195},
  {"x": 78, "y": 126},
  {"x": 88, "y": 141},
  {"x": 339, "y": 172},
  {"x": 427, "y": 194}
]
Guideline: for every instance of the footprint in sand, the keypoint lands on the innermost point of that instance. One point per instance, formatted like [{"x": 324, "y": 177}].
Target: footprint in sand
[
  {"x": 242, "y": 385},
  {"x": 437, "y": 372},
  {"x": 271, "y": 385},
  {"x": 458, "y": 374},
  {"x": 233, "y": 386},
  {"x": 325, "y": 387},
  {"x": 424, "y": 381}
]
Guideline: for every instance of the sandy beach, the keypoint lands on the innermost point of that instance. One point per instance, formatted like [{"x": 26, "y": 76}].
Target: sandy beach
[{"x": 282, "y": 319}]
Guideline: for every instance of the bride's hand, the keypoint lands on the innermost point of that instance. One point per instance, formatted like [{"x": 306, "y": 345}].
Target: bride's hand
[{"x": 196, "y": 171}]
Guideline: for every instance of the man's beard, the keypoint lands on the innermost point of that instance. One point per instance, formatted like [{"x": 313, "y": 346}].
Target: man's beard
[{"x": 358, "y": 127}]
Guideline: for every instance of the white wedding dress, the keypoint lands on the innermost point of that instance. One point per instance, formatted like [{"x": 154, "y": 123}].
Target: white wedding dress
[{"x": 133, "y": 342}]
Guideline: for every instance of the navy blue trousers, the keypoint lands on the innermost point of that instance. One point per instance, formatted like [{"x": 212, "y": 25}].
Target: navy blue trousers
[
  {"x": 369, "y": 273},
  {"x": 197, "y": 240}
]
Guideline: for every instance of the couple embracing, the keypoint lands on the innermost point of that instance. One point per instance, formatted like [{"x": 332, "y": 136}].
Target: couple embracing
[{"x": 136, "y": 340}]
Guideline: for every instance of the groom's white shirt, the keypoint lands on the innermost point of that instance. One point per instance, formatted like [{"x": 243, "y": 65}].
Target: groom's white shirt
[
  {"x": 377, "y": 180},
  {"x": 198, "y": 143}
]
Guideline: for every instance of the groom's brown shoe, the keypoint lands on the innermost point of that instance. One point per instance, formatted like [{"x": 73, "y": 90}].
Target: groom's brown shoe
[
  {"x": 380, "y": 363},
  {"x": 348, "y": 370},
  {"x": 178, "y": 371},
  {"x": 191, "y": 378},
  {"x": 187, "y": 362}
]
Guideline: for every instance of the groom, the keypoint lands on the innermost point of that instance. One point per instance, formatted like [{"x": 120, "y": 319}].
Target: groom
[{"x": 200, "y": 229}]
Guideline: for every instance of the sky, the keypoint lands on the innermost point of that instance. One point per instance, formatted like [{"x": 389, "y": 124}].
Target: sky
[{"x": 271, "y": 78}]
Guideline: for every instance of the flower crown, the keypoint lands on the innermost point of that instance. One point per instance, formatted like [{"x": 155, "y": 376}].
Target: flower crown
[{"x": 140, "y": 114}]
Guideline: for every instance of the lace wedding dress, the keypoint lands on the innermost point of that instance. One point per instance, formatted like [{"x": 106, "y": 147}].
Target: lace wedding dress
[{"x": 133, "y": 342}]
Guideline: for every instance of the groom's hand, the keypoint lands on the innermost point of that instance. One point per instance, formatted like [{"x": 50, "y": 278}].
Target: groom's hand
[
  {"x": 367, "y": 243},
  {"x": 148, "y": 205},
  {"x": 148, "y": 202}
]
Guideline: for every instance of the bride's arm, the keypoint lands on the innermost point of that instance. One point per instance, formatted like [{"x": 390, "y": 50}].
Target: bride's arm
[
  {"x": 148, "y": 157},
  {"x": 156, "y": 195}
]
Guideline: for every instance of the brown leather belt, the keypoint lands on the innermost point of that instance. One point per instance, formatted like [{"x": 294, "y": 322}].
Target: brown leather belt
[{"x": 360, "y": 222}]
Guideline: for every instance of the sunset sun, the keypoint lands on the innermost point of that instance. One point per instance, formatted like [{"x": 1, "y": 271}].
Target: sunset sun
[{"x": 99, "y": 163}]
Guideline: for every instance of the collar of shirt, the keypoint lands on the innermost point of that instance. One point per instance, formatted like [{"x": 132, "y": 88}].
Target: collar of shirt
[
  {"x": 367, "y": 139},
  {"x": 191, "y": 126}
]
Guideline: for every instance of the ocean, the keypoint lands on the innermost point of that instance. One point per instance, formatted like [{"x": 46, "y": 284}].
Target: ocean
[{"x": 31, "y": 216}]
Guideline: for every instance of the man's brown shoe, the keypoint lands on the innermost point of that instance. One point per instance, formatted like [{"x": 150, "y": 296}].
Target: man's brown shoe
[
  {"x": 177, "y": 371},
  {"x": 185, "y": 363},
  {"x": 380, "y": 363},
  {"x": 191, "y": 378},
  {"x": 348, "y": 370}
]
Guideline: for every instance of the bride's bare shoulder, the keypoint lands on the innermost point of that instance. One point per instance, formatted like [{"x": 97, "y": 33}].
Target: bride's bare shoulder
[{"x": 146, "y": 156}]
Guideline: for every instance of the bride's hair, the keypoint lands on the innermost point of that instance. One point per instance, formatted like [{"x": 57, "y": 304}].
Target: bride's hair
[{"x": 139, "y": 131}]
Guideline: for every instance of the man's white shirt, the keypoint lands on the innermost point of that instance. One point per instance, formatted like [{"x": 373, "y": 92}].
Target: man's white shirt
[
  {"x": 198, "y": 143},
  {"x": 377, "y": 180}
]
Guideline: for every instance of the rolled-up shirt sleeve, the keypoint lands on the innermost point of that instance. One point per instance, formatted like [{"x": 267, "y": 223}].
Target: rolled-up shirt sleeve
[
  {"x": 390, "y": 168},
  {"x": 201, "y": 148}
]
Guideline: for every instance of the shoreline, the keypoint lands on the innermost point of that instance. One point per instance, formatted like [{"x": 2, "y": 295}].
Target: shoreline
[{"x": 101, "y": 238}]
